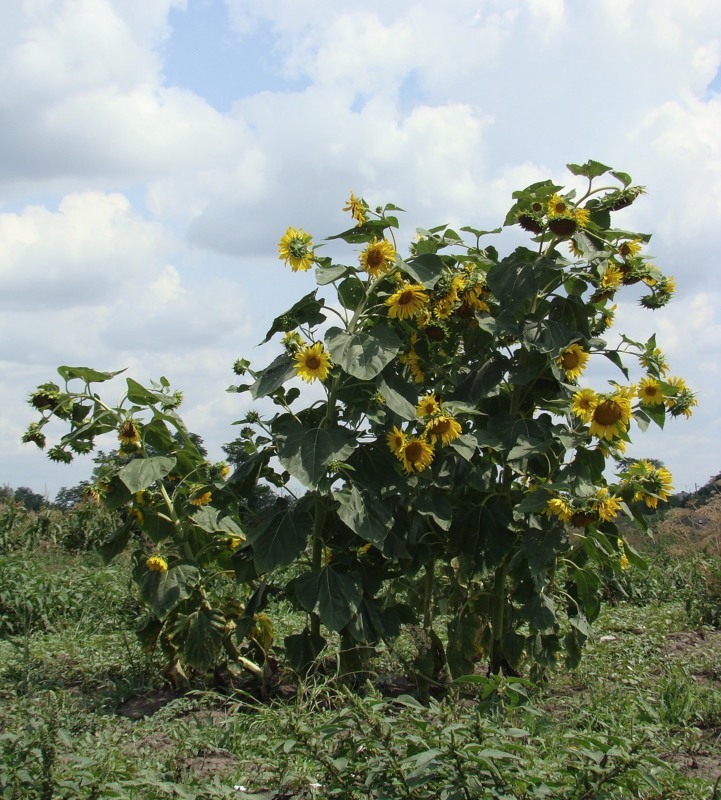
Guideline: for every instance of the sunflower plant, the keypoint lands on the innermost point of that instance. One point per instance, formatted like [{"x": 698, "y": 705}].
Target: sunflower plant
[{"x": 446, "y": 461}]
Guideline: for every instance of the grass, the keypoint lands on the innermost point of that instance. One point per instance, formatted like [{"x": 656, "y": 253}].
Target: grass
[{"x": 84, "y": 713}]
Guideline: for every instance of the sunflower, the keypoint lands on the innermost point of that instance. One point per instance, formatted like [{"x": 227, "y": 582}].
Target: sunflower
[
  {"x": 629, "y": 248},
  {"x": 416, "y": 455},
  {"x": 650, "y": 392},
  {"x": 396, "y": 440},
  {"x": 558, "y": 507},
  {"x": 128, "y": 434},
  {"x": 611, "y": 416},
  {"x": 413, "y": 362},
  {"x": 650, "y": 483},
  {"x": 683, "y": 399},
  {"x": 605, "y": 505},
  {"x": 408, "y": 302},
  {"x": 573, "y": 361},
  {"x": 357, "y": 208},
  {"x": 295, "y": 248},
  {"x": 201, "y": 499},
  {"x": 583, "y": 404},
  {"x": 557, "y": 207},
  {"x": 428, "y": 406},
  {"x": 312, "y": 362},
  {"x": 582, "y": 216},
  {"x": 378, "y": 257},
  {"x": 612, "y": 277},
  {"x": 156, "y": 563},
  {"x": 444, "y": 428},
  {"x": 654, "y": 359}
]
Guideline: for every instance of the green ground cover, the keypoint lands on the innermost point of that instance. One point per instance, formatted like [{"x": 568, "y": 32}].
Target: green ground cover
[{"x": 85, "y": 713}]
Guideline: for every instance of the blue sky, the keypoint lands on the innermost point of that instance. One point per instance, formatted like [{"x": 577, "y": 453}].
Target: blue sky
[{"x": 152, "y": 152}]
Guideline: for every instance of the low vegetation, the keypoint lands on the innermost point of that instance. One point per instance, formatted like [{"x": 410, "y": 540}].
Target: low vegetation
[{"x": 86, "y": 713}]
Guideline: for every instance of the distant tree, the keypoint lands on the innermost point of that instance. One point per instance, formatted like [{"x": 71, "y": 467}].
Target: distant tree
[
  {"x": 30, "y": 499},
  {"x": 69, "y": 497}
]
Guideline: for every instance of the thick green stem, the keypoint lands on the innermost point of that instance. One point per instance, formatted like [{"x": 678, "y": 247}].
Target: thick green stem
[
  {"x": 317, "y": 554},
  {"x": 498, "y": 608},
  {"x": 428, "y": 585}
]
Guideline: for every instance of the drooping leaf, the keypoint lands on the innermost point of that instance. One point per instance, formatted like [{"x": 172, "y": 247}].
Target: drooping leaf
[
  {"x": 365, "y": 353},
  {"x": 307, "y": 452},
  {"x": 199, "y": 636},
  {"x": 116, "y": 542},
  {"x": 281, "y": 537},
  {"x": 273, "y": 376},
  {"x": 87, "y": 374},
  {"x": 307, "y": 311},
  {"x": 143, "y": 472},
  {"x": 350, "y": 292},
  {"x": 324, "y": 275},
  {"x": 209, "y": 519},
  {"x": 370, "y": 517},
  {"x": 464, "y": 643},
  {"x": 399, "y": 396},
  {"x": 591, "y": 169},
  {"x": 540, "y": 613},
  {"x": 335, "y": 593},
  {"x": 302, "y": 649},
  {"x": 163, "y": 591},
  {"x": 426, "y": 268}
]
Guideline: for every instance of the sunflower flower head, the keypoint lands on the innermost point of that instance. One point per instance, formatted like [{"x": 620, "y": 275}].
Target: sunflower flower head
[
  {"x": 560, "y": 508},
  {"x": 201, "y": 499},
  {"x": 312, "y": 363},
  {"x": 650, "y": 392},
  {"x": 611, "y": 416},
  {"x": 378, "y": 258},
  {"x": 443, "y": 428},
  {"x": 606, "y": 505},
  {"x": 128, "y": 434},
  {"x": 572, "y": 360},
  {"x": 396, "y": 440},
  {"x": 408, "y": 302},
  {"x": 416, "y": 455},
  {"x": 156, "y": 563},
  {"x": 428, "y": 406},
  {"x": 648, "y": 482},
  {"x": 583, "y": 404},
  {"x": 296, "y": 249},
  {"x": 358, "y": 208}
]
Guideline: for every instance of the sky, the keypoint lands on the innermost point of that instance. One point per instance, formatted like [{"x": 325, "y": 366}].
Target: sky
[{"x": 152, "y": 153}]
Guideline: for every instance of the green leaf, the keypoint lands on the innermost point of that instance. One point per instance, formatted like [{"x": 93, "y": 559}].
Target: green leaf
[
  {"x": 351, "y": 292},
  {"x": 438, "y": 508},
  {"x": 335, "y": 593},
  {"x": 591, "y": 169},
  {"x": 399, "y": 396},
  {"x": 139, "y": 395},
  {"x": 302, "y": 649},
  {"x": 143, "y": 472},
  {"x": 163, "y": 591},
  {"x": 515, "y": 281},
  {"x": 273, "y": 376},
  {"x": 116, "y": 542},
  {"x": 324, "y": 275},
  {"x": 281, "y": 537},
  {"x": 615, "y": 357},
  {"x": 365, "y": 515},
  {"x": 540, "y": 613},
  {"x": 426, "y": 269},
  {"x": 86, "y": 374},
  {"x": 199, "y": 636},
  {"x": 305, "y": 312},
  {"x": 365, "y": 353},
  {"x": 208, "y": 519},
  {"x": 481, "y": 383},
  {"x": 308, "y": 452},
  {"x": 464, "y": 647},
  {"x": 624, "y": 177}
]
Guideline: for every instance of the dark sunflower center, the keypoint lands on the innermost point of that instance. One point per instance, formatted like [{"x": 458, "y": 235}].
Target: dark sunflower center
[
  {"x": 413, "y": 452},
  {"x": 441, "y": 427},
  {"x": 375, "y": 258},
  {"x": 570, "y": 360},
  {"x": 312, "y": 361},
  {"x": 607, "y": 413},
  {"x": 560, "y": 208},
  {"x": 406, "y": 297},
  {"x": 298, "y": 248}
]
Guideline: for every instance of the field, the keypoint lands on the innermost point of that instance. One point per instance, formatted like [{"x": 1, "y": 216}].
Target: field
[{"x": 85, "y": 713}]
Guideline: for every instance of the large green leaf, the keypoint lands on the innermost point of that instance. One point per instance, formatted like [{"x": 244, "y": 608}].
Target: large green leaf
[
  {"x": 540, "y": 613},
  {"x": 86, "y": 374},
  {"x": 335, "y": 593},
  {"x": 208, "y": 519},
  {"x": 307, "y": 452},
  {"x": 302, "y": 649},
  {"x": 307, "y": 311},
  {"x": 482, "y": 382},
  {"x": 426, "y": 269},
  {"x": 198, "y": 636},
  {"x": 273, "y": 376},
  {"x": 162, "y": 591},
  {"x": 515, "y": 281},
  {"x": 591, "y": 169},
  {"x": 464, "y": 647},
  {"x": 365, "y": 353},
  {"x": 143, "y": 472},
  {"x": 280, "y": 538},
  {"x": 367, "y": 516},
  {"x": 324, "y": 275},
  {"x": 399, "y": 396}
]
